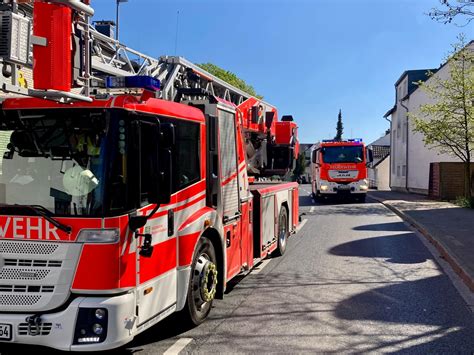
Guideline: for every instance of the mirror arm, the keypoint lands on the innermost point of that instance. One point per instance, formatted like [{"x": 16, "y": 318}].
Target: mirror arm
[{"x": 153, "y": 211}]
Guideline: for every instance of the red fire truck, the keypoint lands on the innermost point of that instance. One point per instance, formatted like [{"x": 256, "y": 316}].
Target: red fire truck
[
  {"x": 339, "y": 168},
  {"x": 127, "y": 184}
]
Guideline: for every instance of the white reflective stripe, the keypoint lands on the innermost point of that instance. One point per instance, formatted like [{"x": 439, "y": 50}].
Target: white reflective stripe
[{"x": 178, "y": 346}]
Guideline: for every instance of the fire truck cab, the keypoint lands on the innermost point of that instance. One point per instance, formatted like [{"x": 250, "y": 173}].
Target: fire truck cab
[
  {"x": 125, "y": 202},
  {"x": 339, "y": 168}
]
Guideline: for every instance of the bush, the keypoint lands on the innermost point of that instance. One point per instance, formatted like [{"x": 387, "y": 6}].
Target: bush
[{"x": 465, "y": 202}]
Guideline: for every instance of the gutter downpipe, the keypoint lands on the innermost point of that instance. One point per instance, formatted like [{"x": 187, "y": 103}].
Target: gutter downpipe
[
  {"x": 406, "y": 156},
  {"x": 391, "y": 157}
]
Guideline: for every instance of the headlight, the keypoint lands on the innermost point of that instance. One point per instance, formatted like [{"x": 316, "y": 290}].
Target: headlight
[
  {"x": 100, "y": 313},
  {"x": 324, "y": 187},
  {"x": 98, "y": 236},
  {"x": 363, "y": 187},
  {"x": 97, "y": 329}
]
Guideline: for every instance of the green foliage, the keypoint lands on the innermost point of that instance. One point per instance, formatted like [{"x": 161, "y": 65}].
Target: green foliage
[
  {"x": 300, "y": 165},
  {"x": 465, "y": 202},
  {"x": 447, "y": 122},
  {"x": 339, "y": 127},
  {"x": 230, "y": 78}
]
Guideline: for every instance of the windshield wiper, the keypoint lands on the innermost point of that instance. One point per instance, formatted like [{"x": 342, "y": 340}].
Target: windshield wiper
[{"x": 42, "y": 212}]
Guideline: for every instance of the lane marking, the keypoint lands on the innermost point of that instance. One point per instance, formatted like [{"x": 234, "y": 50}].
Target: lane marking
[
  {"x": 311, "y": 209},
  {"x": 259, "y": 268},
  {"x": 303, "y": 222},
  {"x": 178, "y": 346}
]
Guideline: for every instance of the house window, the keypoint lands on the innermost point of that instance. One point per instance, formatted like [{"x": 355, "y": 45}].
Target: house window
[
  {"x": 404, "y": 170},
  {"x": 404, "y": 133},
  {"x": 398, "y": 170}
]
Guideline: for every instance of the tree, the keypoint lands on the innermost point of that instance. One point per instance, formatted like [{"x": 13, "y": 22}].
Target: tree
[
  {"x": 447, "y": 124},
  {"x": 450, "y": 9},
  {"x": 230, "y": 78},
  {"x": 339, "y": 127}
]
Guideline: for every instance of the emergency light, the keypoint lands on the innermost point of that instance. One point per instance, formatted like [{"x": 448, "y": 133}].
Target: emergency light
[
  {"x": 355, "y": 140},
  {"x": 139, "y": 81}
]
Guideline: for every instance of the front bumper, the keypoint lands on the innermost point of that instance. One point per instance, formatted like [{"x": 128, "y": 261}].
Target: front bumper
[
  {"x": 57, "y": 329},
  {"x": 335, "y": 188}
]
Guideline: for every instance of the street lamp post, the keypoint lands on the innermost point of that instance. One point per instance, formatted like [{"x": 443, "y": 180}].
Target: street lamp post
[{"x": 117, "y": 18}]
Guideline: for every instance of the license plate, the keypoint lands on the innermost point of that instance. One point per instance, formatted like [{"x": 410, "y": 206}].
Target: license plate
[
  {"x": 344, "y": 187},
  {"x": 5, "y": 332}
]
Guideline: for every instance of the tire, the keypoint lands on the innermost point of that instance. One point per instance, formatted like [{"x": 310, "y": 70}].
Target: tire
[
  {"x": 202, "y": 284},
  {"x": 317, "y": 197},
  {"x": 283, "y": 232}
]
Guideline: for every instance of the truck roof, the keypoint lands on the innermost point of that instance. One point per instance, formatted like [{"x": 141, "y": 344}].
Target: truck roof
[{"x": 127, "y": 102}]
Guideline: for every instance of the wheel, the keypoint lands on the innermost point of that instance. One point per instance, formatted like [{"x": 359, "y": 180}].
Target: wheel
[
  {"x": 362, "y": 198},
  {"x": 282, "y": 232},
  {"x": 203, "y": 283},
  {"x": 318, "y": 197}
]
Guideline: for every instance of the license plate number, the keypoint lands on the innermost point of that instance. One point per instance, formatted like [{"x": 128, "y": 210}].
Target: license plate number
[
  {"x": 344, "y": 187},
  {"x": 5, "y": 332}
]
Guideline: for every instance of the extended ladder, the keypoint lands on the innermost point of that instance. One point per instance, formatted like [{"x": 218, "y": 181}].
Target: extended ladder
[{"x": 107, "y": 57}]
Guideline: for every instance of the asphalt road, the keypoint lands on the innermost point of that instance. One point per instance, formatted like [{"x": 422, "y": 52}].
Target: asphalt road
[{"x": 354, "y": 279}]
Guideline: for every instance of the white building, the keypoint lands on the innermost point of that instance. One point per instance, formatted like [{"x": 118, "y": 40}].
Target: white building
[
  {"x": 379, "y": 169},
  {"x": 410, "y": 158}
]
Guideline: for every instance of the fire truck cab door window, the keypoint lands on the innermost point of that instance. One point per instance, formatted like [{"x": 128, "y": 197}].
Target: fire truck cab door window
[
  {"x": 186, "y": 153},
  {"x": 148, "y": 160}
]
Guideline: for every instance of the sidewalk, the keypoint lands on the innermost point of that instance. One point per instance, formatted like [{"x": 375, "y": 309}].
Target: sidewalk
[{"x": 449, "y": 227}]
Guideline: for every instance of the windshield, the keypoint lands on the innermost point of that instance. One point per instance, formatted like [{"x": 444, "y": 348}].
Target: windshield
[
  {"x": 71, "y": 162},
  {"x": 343, "y": 154}
]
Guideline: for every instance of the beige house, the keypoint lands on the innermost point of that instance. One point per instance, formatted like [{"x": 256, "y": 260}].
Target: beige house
[{"x": 410, "y": 157}]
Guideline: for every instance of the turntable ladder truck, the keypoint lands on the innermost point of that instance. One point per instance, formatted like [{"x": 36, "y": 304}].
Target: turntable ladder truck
[{"x": 128, "y": 184}]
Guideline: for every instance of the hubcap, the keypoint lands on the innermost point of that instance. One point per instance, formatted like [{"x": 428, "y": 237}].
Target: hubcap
[
  {"x": 282, "y": 233},
  {"x": 204, "y": 281}
]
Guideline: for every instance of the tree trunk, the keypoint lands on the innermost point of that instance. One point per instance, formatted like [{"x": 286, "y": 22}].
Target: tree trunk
[{"x": 467, "y": 180}]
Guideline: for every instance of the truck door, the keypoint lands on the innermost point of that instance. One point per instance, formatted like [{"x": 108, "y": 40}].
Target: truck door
[
  {"x": 229, "y": 185},
  {"x": 156, "y": 272}
]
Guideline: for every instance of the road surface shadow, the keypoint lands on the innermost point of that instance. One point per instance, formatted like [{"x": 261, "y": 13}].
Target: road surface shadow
[
  {"x": 354, "y": 210},
  {"x": 406, "y": 303},
  {"x": 390, "y": 226},
  {"x": 400, "y": 249}
]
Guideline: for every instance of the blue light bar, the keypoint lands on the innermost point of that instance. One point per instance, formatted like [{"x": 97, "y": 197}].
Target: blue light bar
[{"x": 139, "y": 81}]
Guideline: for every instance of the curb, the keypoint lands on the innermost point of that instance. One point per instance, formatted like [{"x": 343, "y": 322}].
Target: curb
[{"x": 465, "y": 277}]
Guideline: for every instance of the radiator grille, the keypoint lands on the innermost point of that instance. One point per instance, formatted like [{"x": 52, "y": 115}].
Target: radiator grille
[
  {"x": 28, "y": 248},
  {"x": 33, "y": 263},
  {"x": 26, "y": 288},
  {"x": 22, "y": 274},
  {"x": 42, "y": 329},
  {"x": 19, "y": 300}
]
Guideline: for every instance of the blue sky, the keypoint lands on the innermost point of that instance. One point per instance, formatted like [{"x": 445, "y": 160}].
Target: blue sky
[{"x": 309, "y": 58}]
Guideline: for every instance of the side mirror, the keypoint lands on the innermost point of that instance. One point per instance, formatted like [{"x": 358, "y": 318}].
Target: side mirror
[
  {"x": 165, "y": 186},
  {"x": 254, "y": 114},
  {"x": 370, "y": 155},
  {"x": 137, "y": 222},
  {"x": 167, "y": 135},
  {"x": 157, "y": 140}
]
